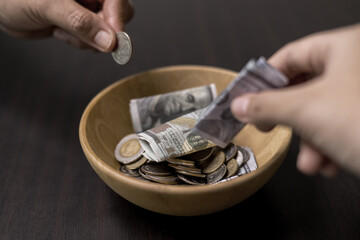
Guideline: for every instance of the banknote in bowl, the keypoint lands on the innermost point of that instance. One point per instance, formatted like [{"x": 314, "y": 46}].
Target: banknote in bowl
[{"x": 152, "y": 111}]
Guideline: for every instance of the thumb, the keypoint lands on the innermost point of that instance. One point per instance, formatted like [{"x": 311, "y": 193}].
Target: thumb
[
  {"x": 268, "y": 108},
  {"x": 83, "y": 24}
]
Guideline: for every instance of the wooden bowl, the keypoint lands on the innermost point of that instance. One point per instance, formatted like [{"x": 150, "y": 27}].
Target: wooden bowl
[{"x": 107, "y": 119}]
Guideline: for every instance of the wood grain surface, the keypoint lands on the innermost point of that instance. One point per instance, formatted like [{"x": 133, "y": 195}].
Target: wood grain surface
[{"x": 48, "y": 189}]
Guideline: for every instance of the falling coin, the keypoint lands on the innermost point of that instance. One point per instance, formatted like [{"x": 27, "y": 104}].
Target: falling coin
[
  {"x": 123, "y": 51},
  {"x": 128, "y": 150}
]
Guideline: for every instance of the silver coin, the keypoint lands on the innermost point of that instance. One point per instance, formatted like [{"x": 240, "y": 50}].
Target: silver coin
[
  {"x": 191, "y": 180},
  {"x": 128, "y": 172},
  {"x": 169, "y": 179},
  {"x": 145, "y": 176},
  {"x": 123, "y": 52},
  {"x": 190, "y": 173},
  {"x": 184, "y": 168},
  {"x": 217, "y": 175},
  {"x": 230, "y": 151},
  {"x": 239, "y": 158},
  {"x": 245, "y": 153},
  {"x": 137, "y": 164},
  {"x": 157, "y": 169},
  {"x": 181, "y": 162},
  {"x": 123, "y": 170}
]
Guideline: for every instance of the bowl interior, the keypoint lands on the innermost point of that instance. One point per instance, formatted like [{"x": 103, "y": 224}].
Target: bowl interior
[
  {"x": 106, "y": 120},
  {"x": 109, "y": 119}
]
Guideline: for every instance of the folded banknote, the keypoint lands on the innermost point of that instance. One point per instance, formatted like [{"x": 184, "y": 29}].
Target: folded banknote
[
  {"x": 173, "y": 139},
  {"x": 216, "y": 122}
]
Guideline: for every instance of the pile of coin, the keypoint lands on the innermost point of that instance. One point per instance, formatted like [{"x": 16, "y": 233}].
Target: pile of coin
[{"x": 207, "y": 166}]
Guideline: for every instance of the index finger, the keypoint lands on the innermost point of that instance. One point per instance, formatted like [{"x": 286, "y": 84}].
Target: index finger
[
  {"x": 117, "y": 13},
  {"x": 304, "y": 56}
]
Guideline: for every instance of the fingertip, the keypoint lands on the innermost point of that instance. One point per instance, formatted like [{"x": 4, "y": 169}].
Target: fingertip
[
  {"x": 239, "y": 108},
  {"x": 105, "y": 40},
  {"x": 305, "y": 165},
  {"x": 309, "y": 161}
]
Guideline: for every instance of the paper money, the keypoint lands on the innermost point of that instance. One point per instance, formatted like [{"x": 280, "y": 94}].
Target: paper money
[
  {"x": 149, "y": 112},
  {"x": 173, "y": 139},
  {"x": 217, "y": 123}
]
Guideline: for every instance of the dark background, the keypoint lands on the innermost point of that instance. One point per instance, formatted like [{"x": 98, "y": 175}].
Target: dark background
[{"x": 48, "y": 189}]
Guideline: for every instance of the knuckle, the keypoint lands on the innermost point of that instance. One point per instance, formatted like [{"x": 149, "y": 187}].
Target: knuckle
[
  {"x": 290, "y": 54},
  {"x": 80, "y": 22},
  {"x": 40, "y": 7}
]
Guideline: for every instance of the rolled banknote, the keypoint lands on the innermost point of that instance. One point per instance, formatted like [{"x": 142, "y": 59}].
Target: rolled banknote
[
  {"x": 149, "y": 112},
  {"x": 173, "y": 139},
  {"x": 217, "y": 123}
]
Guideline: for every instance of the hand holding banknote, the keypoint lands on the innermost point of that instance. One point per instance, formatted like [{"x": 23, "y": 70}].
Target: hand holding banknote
[
  {"x": 217, "y": 123},
  {"x": 323, "y": 111}
]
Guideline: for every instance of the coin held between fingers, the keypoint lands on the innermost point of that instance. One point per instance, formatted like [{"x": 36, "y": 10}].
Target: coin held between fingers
[{"x": 123, "y": 51}]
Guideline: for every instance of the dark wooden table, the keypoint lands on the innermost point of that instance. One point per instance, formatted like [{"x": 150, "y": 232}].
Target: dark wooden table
[{"x": 48, "y": 189}]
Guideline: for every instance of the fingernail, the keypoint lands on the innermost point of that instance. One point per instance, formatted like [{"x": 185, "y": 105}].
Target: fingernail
[
  {"x": 239, "y": 108},
  {"x": 103, "y": 39}
]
